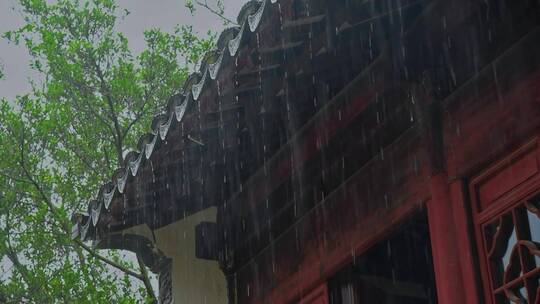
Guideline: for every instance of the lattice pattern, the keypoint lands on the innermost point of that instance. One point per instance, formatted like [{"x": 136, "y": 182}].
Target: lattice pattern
[{"x": 513, "y": 253}]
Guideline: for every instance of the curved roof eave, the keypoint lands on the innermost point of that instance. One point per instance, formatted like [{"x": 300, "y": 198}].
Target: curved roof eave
[{"x": 249, "y": 17}]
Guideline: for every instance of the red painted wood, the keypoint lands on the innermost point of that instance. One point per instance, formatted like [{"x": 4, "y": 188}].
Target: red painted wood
[
  {"x": 317, "y": 296},
  {"x": 512, "y": 166},
  {"x": 304, "y": 146},
  {"x": 454, "y": 262},
  {"x": 356, "y": 217},
  {"x": 511, "y": 191},
  {"x": 478, "y": 129},
  {"x": 465, "y": 238},
  {"x": 444, "y": 243},
  {"x": 315, "y": 269},
  {"x": 476, "y": 132},
  {"x": 507, "y": 178}
]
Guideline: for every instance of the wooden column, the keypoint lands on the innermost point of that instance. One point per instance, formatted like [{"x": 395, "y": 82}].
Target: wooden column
[
  {"x": 444, "y": 243},
  {"x": 466, "y": 247}
]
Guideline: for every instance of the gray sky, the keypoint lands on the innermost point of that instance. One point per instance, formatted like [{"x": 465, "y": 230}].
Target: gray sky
[{"x": 164, "y": 14}]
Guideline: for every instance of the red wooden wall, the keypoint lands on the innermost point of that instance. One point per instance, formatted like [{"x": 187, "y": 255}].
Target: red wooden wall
[{"x": 490, "y": 140}]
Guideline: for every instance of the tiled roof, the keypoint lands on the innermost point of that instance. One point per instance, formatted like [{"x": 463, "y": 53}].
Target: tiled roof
[{"x": 228, "y": 44}]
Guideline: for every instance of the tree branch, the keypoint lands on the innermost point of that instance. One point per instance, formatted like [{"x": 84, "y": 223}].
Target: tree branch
[
  {"x": 119, "y": 148},
  {"x": 12, "y": 256},
  {"x": 107, "y": 261},
  {"x": 63, "y": 224},
  {"x": 77, "y": 153},
  {"x": 105, "y": 92},
  {"x": 137, "y": 118},
  {"x": 215, "y": 12},
  {"x": 146, "y": 280},
  {"x": 17, "y": 179}
]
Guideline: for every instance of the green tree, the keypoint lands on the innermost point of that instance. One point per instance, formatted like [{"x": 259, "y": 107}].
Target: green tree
[{"x": 63, "y": 139}]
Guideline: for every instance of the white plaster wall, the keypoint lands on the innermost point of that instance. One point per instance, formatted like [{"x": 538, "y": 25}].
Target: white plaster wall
[{"x": 194, "y": 280}]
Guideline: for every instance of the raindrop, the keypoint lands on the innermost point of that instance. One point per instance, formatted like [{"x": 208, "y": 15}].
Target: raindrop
[
  {"x": 297, "y": 239},
  {"x": 152, "y": 170},
  {"x": 444, "y": 22},
  {"x": 406, "y": 71}
]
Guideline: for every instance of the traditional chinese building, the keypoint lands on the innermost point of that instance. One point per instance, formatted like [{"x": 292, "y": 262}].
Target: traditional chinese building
[{"x": 344, "y": 151}]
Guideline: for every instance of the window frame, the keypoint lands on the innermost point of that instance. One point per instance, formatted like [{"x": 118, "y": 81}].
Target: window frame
[{"x": 515, "y": 179}]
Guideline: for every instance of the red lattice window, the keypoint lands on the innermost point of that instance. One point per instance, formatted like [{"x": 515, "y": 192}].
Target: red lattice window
[
  {"x": 512, "y": 242},
  {"x": 506, "y": 204}
]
